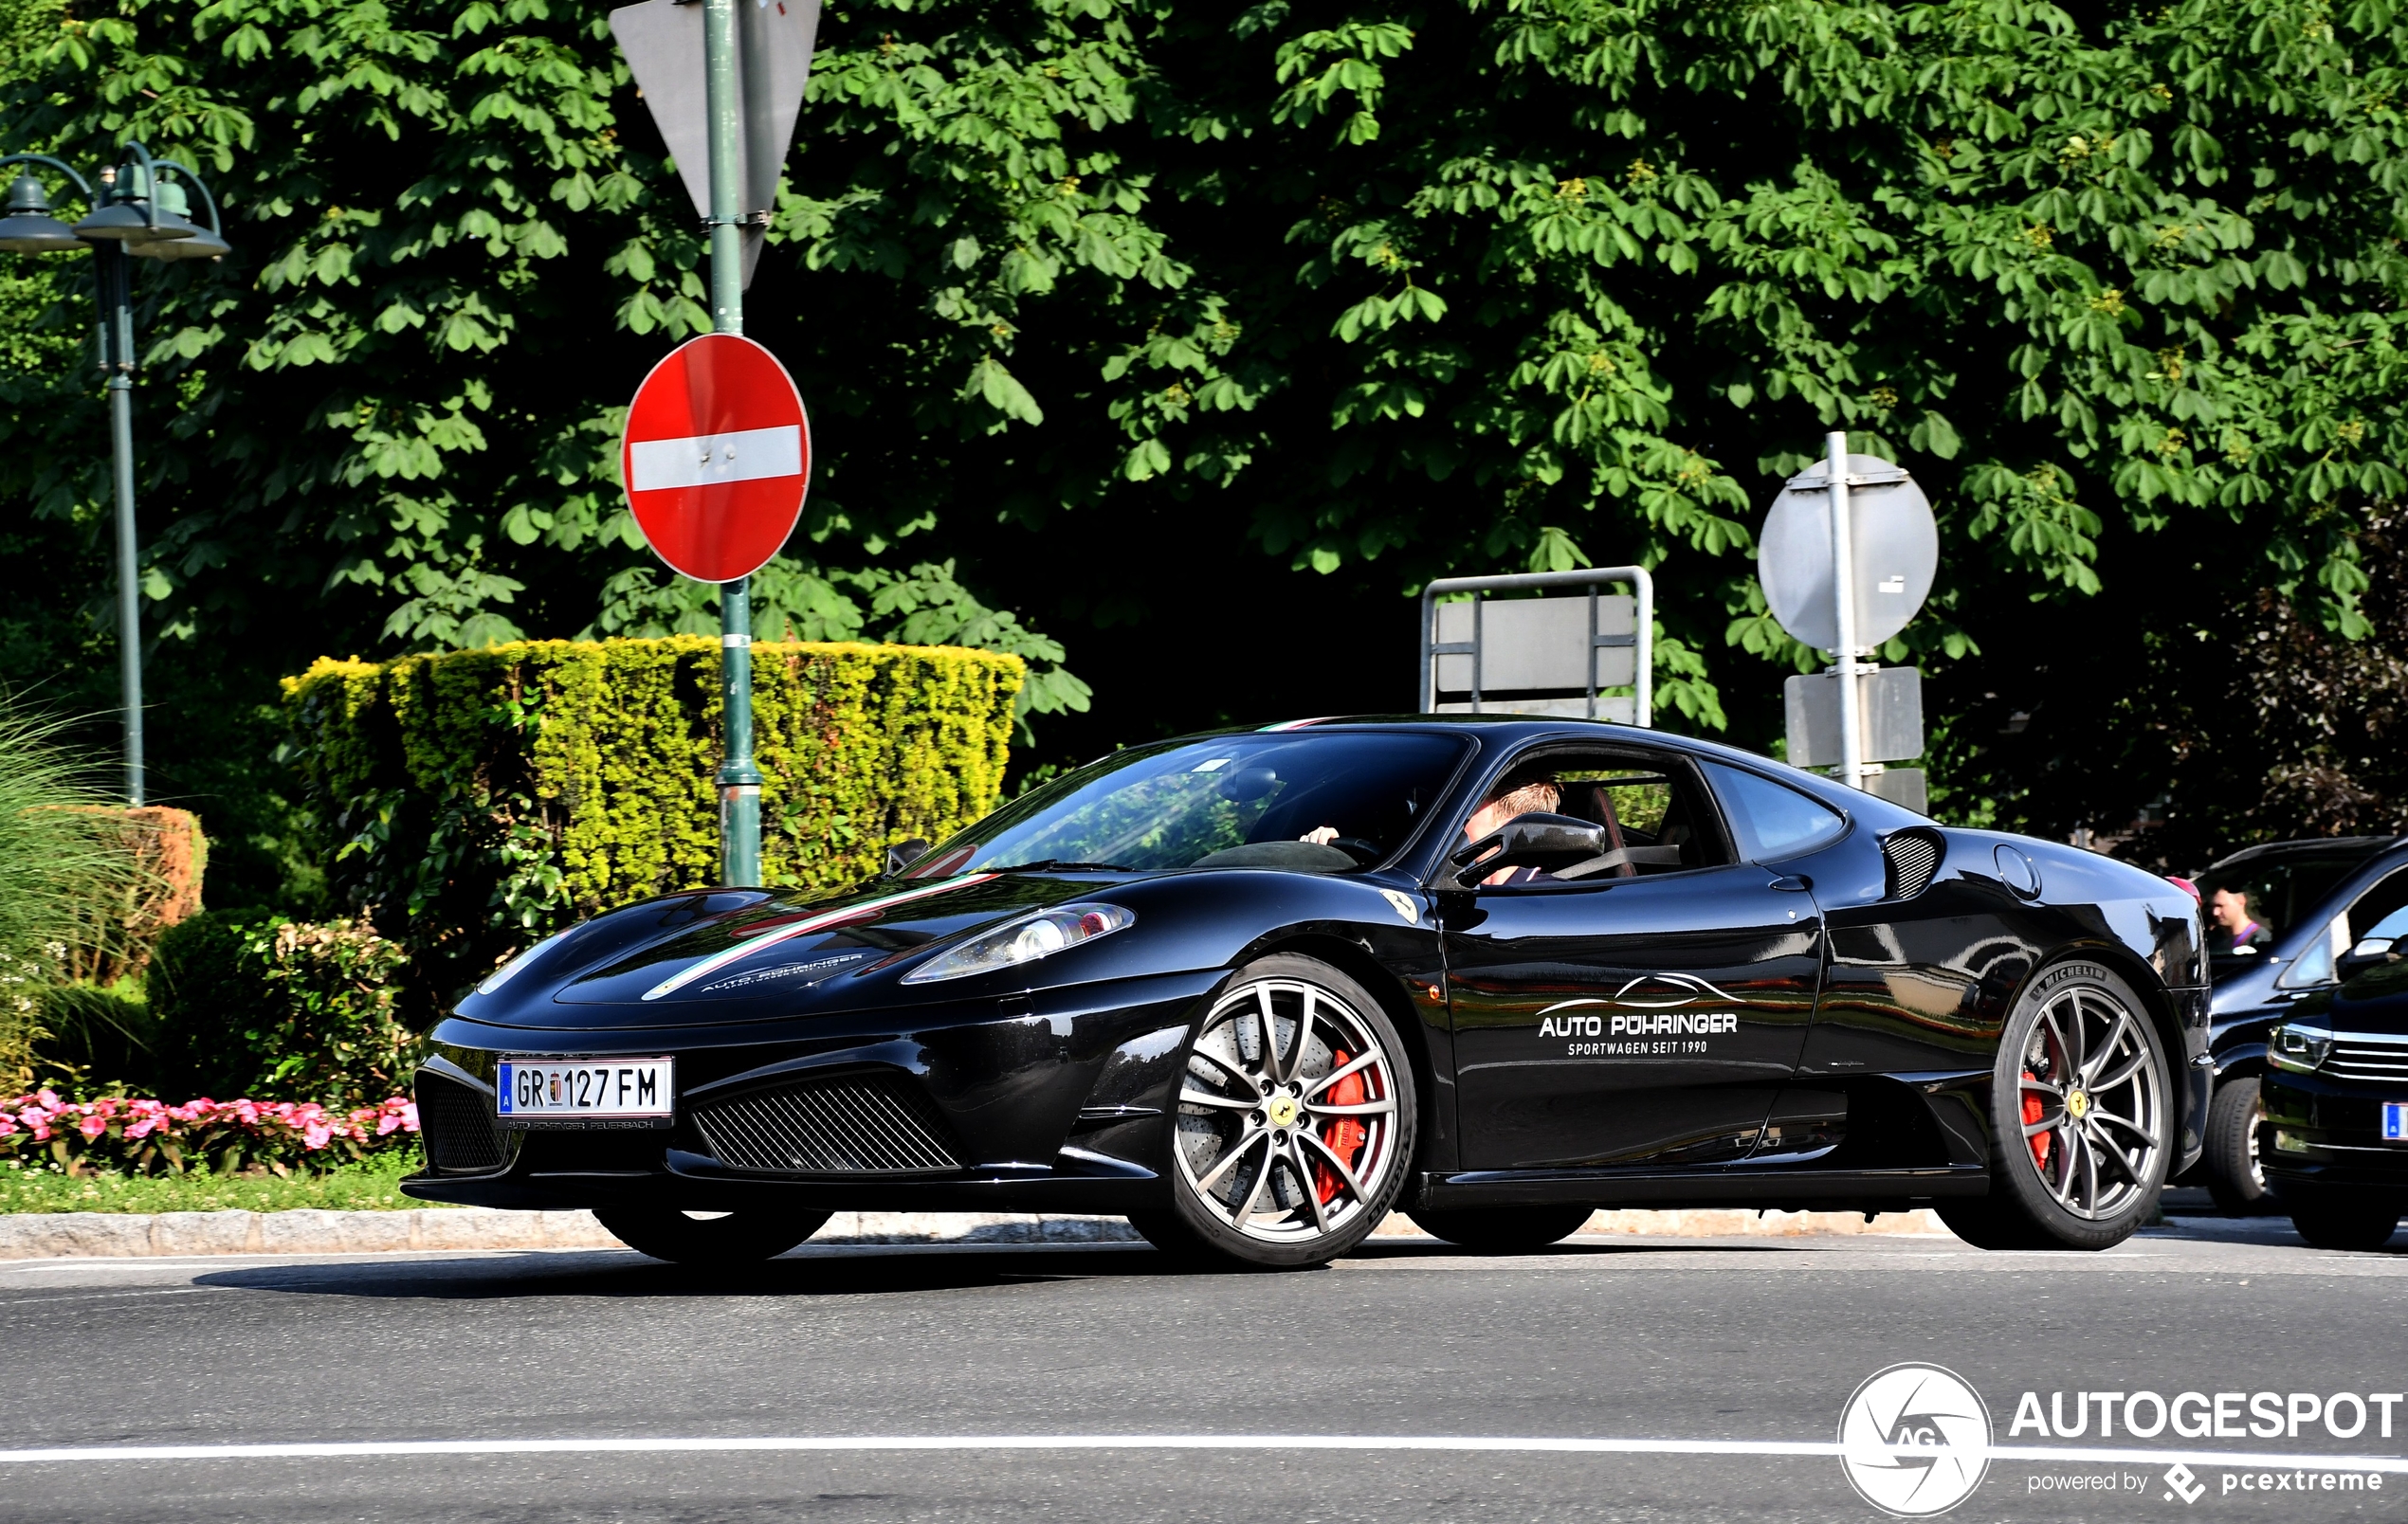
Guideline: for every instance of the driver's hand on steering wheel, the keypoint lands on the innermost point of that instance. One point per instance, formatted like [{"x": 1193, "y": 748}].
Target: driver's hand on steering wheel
[{"x": 1319, "y": 835}]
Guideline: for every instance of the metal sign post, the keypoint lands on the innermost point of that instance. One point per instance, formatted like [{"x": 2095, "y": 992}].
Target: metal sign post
[
  {"x": 753, "y": 62},
  {"x": 1848, "y": 556},
  {"x": 1528, "y": 651},
  {"x": 1843, "y": 582}
]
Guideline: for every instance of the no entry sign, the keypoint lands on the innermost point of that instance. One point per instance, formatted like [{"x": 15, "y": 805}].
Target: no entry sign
[{"x": 717, "y": 458}]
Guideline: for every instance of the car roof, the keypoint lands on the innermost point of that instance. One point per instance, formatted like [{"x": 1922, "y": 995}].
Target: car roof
[{"x": 2352, "y": 846}]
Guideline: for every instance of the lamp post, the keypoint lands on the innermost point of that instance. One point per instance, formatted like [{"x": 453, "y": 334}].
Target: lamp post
[{"x": 136, "y": 214}]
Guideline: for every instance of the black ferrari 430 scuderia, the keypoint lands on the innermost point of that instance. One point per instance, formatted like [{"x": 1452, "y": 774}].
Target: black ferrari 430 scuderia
[{"x": 1254, "y": 989}]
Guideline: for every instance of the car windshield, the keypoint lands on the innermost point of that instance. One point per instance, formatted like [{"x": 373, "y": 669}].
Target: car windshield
[
  {"x": 1326, "y": 802},
  {"x": 2250, "y": 904}
]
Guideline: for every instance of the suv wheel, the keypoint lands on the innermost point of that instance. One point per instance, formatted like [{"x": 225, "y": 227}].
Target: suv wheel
[
  {"x": 2345, "y": 1227},
  {"x": 2235, "y": 1177}
]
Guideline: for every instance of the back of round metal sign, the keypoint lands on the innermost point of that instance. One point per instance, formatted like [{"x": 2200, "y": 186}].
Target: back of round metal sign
[{"x": 1897, "y": 550}]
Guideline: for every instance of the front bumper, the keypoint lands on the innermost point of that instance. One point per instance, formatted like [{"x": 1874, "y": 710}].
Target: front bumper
[
  {"x": 2323, "y": 1138},
  {"x": 1052, "y": 1101}
]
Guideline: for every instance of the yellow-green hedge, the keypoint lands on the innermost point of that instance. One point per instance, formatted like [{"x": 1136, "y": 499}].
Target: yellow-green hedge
[{"x": 477, "y": 799}]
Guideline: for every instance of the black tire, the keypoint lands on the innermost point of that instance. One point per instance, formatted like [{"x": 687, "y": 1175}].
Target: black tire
[
  {"x": 1503, "y": 1230},
  {"x": 2351, "y": 1225},
  {"x": 2234, "y": 1178},
  {"x": 2078, "y": 1045},
  {"x": 1217, "y": 1180},
  {"x": 1982, "y": 1223},
  {"x": 732, "y": 1238}
]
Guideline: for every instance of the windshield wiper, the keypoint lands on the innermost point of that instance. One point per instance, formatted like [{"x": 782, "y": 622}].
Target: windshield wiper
[{"x": 1060, "y": 866}]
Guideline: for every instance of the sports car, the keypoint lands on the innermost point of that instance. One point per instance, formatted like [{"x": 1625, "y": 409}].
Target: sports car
[{"x": 1255, "y": 990}]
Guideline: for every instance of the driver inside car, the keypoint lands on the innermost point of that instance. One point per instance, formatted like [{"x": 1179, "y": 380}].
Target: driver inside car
[{"x": 1515, "y": 796}]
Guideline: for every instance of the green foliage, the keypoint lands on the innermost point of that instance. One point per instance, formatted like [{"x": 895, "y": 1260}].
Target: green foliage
[
  {"x": 262, "y": 1008},
  {"x": 1110, "y": 284},
  {"x": 96, "y": 1040},
  {"x": 56, "y": 859},
  {"x": 373, "y": 1184},
  {"x": 484, "y": 798}
]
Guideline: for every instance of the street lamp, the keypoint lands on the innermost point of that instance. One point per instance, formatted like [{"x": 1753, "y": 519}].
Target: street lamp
[{"x": 139, "y": 215}]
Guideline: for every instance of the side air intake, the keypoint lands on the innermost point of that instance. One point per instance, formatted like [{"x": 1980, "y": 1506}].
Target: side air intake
[
  {"x": 1913, "y": 856},
  {"x": 858, "y": 1124},
  {"x": 456, "y": 1125}
]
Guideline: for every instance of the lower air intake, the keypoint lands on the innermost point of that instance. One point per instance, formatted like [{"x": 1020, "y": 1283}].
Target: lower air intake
[
  {"x": 455, "y": 1122},
  {"x": 861, "y": 1124},
  {"x": 1913, "y": 856}
]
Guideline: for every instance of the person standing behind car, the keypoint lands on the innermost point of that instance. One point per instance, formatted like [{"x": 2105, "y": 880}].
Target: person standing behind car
[{"x": 2232, "y": 911}]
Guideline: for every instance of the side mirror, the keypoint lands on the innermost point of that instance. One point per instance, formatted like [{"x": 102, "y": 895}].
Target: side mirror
[
  {"x": 1533, "y": 841},
  {"x": 2366, "y": 955},
  {"x": 904, "y": 854}
]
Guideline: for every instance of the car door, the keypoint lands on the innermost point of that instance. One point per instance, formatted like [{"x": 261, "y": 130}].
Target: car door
[{"x": 1642, "y": 1019}]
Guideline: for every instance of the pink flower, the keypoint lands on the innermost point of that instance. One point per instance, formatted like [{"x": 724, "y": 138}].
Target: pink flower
[
  {"x": 316, "y": 1135},
  {"x": 92, "y": 1126}
]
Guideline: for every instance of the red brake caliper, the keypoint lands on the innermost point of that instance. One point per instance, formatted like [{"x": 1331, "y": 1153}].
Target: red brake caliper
[
  {"x": 1345, "y": 1135},
  {"x": 2032, "y": 1111}
]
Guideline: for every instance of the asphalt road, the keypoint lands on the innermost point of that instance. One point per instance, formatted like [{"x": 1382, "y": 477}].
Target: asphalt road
[{"x": 1758, "y": 1342}]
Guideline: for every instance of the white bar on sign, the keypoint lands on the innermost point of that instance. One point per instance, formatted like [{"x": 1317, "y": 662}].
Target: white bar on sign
[{"x": 746, "y": 455}]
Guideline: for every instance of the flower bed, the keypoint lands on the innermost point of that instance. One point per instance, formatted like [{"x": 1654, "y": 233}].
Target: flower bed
[{"x": 140, "y": 1136}]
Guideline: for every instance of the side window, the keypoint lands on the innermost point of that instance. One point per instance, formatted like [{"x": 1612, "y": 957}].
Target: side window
[
  {"x": 2315, "y": 966},
  {"x": 2381, "y": 911},
  {"x": 1772, "y": 819},
  {"x": 1653, "y": 812}
]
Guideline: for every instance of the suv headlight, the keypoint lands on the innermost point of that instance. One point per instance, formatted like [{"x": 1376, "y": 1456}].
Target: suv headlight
[
  {"x": 2301, "y": 1049},
  {"x": 1025, "y": 941}
]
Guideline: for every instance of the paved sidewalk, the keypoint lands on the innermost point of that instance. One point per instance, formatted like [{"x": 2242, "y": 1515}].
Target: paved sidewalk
[{"x": 119, "y": 1235}]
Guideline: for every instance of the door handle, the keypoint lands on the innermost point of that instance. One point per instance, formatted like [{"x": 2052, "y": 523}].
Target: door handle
[{"x": 1794, "y": 884}]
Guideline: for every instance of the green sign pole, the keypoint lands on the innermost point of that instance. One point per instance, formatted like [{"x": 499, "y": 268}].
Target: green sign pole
[{"x": 740, "y": 778}]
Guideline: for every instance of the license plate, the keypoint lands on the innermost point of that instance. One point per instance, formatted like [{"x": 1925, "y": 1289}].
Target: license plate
[
  {"x": 585, "y": 1092},
  {"x": 2395, "y": 1121}
]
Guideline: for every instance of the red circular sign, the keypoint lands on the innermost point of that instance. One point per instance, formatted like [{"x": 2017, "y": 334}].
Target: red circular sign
[{"x": 717, "y": 458}]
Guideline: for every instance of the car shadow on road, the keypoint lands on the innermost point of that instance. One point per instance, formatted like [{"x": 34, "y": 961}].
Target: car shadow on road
[{"x": 826, "y": 1270}]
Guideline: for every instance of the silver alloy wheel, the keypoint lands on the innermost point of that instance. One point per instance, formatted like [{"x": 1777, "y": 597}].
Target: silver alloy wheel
[
  {"x": 2256, "y": 1163},
  {"x": 1287, "y": 1112},
  {"x": 2089, "y": 1075}
]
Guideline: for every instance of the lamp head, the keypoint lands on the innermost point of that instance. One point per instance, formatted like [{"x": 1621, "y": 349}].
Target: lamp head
[{"x": 27, "y": 226}]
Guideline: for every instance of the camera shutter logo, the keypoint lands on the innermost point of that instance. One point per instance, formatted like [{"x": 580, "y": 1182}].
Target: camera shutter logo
[{"x": 1914, "y": 1439}]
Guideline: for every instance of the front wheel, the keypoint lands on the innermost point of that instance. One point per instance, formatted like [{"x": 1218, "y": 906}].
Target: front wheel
[
  {"x": 2081, "y": 1117},
  {"x": 2351, "y": 1226},
  {"x": 708, "y": 1237},
  {"x": 1294, "y": 1121},
  {"x": 1503, "y": 1230},
  {"x": 2234, "y": 1177}
]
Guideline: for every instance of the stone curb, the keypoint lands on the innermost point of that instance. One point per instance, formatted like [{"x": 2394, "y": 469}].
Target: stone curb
[{"x": 121, "y": 1235}]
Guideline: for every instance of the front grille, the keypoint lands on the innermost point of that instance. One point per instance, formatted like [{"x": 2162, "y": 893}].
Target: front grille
[
  {"x": 455, "y": 1122},
  {"x": 2364, "y": 1059},
  {"x": 1913, "y": 856},
  {"x": 858, "y": 1124}
]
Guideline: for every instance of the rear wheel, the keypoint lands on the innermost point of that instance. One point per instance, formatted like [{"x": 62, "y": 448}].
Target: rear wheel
[
  {"x": 708, "y": 1237},
  {"x": 1503, "y": 1230},
  {"x": 2235, "y": 1177},
  {"x": 1294, "y": 1121},
  {"x": 2082, "y": 1118},
  {"x": 2335, "y": 1226}
]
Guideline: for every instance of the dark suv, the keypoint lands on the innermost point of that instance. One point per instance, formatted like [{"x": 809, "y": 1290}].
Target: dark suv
[{"x": 2317, "y": 903}]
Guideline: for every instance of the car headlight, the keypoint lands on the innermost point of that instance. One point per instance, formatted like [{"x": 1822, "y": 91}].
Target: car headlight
[
  {"x": 1025, "y": 941},
  {"x": 2301, "y": 1049}
]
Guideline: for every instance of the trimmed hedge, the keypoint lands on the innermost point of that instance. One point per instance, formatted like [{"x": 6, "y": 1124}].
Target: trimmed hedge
[{"x": 476, "y": 800}]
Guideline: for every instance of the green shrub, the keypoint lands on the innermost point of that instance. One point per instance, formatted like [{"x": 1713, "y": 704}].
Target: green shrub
[
  {"x": 96, "y": 1039},
  {"x": 479, "y": 799},
  {"x": 58, "y": 858},
  {"x": 255, "y": 1005}
]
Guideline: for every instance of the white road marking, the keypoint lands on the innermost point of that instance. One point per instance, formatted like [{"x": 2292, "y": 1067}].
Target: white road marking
[
  {"x": 1440, "y": 1444},
  {"x": 744, "y": 455},
  {"x": 107, "y": 1296}
]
